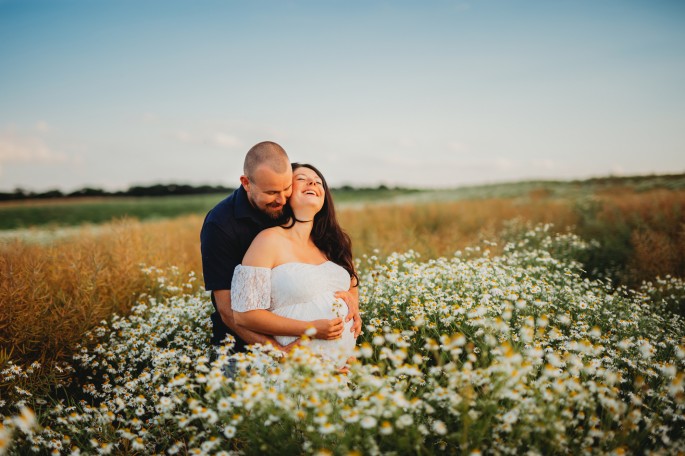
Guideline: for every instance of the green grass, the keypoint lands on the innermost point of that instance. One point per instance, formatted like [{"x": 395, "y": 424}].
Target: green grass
[{"x": 71, "y": 212}]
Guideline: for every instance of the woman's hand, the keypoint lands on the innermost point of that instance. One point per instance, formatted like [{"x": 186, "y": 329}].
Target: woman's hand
[
  {"x": 328, "y": 329},
  {"x": 351, "y": 298}
]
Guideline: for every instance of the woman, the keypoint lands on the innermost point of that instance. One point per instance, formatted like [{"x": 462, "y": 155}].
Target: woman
[{"x": 286, "y": 283}]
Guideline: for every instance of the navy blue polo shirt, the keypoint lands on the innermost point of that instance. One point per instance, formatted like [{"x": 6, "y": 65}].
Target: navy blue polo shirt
[{"x": 227, "y": 232}]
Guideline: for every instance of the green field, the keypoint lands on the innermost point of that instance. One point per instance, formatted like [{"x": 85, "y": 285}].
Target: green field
[
  {"x": 74, "y": 211},
  {"x": 71, "y": 212}
]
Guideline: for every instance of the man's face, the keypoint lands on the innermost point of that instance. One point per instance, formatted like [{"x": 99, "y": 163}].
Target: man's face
[{"x": 268, "y": 191}]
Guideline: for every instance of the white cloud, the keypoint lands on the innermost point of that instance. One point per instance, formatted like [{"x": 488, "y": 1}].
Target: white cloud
[
  {"x": 407, "y": 161},
  {"x": 217, "y": 139},
  {"x": 183, "y": 136},
  {"x": 503, "y": 163},
  {"x": 18, "y": 148},
  {"x": 457, "y": 146},
  {"x": 43, "y": 127},
  {"x": 545, "y": 163},
  {"x": 224, "y": 140},
  {"x": 618, "y": 170},
  {"x": 419, "y": 162},
  {"x": 406, "y": 143},
  {"x": 149, "y": 117}
]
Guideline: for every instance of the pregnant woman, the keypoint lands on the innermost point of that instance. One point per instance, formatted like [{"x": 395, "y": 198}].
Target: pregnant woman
[{"x": 287, "y": 281}]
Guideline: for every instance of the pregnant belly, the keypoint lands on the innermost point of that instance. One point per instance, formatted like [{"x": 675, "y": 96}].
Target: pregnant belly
[{"x": 339, "y": 349}]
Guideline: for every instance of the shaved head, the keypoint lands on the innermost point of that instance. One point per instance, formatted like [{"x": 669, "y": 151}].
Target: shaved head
[
  {"x": 266, "y": 153},
  {"x": 267, "y": 178}
]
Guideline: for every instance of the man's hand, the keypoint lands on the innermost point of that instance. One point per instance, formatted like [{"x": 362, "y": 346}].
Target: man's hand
[
  {"x": 346, "y": 368},
  {"x": 351, "y": 298},
  {"x": 290, "y": 346},
  {"x": 223, "y": 304}
]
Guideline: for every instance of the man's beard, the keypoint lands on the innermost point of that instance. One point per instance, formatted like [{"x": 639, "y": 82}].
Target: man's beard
[{"x": 273, "y": 212}]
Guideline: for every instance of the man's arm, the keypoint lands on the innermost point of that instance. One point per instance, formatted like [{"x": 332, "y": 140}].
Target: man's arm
[{"x": 223, "y": 305}]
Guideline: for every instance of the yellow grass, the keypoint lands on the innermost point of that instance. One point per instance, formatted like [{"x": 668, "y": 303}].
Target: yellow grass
[
  {"x": 656, "y": 220},
  {"x": 51, "y": 294},
  {"x": 439, "y": 229}
]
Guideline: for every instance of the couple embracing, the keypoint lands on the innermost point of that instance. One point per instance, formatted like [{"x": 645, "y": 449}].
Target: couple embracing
[{"x": 277, "y": 262}]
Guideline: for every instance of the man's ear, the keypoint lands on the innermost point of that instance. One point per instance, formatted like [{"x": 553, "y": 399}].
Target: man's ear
[{"x": 245, "y": 182}]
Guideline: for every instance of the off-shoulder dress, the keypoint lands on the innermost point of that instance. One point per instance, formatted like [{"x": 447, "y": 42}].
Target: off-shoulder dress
[{"x": 300, "y": 291}]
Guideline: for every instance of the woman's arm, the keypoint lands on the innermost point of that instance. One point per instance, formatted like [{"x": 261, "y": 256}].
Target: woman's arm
[
  {"x": 262, "y": 253},
  {"x": 223, "y": 305},
  {"x": 266, "y": 322}
]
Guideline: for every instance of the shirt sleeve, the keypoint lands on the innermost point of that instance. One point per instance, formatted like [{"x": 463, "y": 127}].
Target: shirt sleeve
[
  {"x": 220, "y": 256},
  {"x": 251, "y": 288}
]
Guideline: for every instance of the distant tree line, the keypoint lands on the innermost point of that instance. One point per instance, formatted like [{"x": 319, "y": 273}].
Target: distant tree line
[
  {"x": 644, "y": 182},
  {"x": 157, "y": 190},
  {"x": 609, "y": 181},
  {"x": 152, "y": 190}
]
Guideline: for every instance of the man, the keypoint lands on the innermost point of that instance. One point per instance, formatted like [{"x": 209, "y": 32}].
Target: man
[{"x": 230, "y": 228}]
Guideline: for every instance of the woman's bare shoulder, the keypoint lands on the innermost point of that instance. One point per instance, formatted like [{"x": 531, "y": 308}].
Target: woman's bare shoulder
[
  {"x": 270, "y": 236},
  {"x": 262, "y": 251},
  {"x": 272, "y": 232}
]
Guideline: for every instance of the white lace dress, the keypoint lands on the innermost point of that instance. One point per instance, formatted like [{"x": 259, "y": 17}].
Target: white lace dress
[{"x": 300, "y": 291}]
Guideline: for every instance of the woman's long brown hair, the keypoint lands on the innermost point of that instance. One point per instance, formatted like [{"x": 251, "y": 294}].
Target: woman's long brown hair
[{"x": 327, "y": 234}]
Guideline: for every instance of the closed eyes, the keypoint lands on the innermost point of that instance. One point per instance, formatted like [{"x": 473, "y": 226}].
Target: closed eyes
[{"x": 303, "y": 179}]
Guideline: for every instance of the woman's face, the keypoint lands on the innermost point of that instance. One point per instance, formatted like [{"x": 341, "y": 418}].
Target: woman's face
[{"x": 308, "y": 191}]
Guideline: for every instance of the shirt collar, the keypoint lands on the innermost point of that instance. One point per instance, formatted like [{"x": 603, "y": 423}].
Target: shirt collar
[{"x": 244, "y": 209}]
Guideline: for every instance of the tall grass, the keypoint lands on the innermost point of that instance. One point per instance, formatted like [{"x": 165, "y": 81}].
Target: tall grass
[
  {"x": 439, "y": 229},
  {"x": 640, "y": 235},
  {"x": 51, "y": 294},
  {"x": 474, "y": 354}
]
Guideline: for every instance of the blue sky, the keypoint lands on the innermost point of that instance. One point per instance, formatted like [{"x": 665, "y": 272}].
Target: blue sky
[{"x": 428, "y": 94}]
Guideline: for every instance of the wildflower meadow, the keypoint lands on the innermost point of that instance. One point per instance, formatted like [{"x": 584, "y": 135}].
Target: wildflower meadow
[{"x": 479, "y": 353}]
